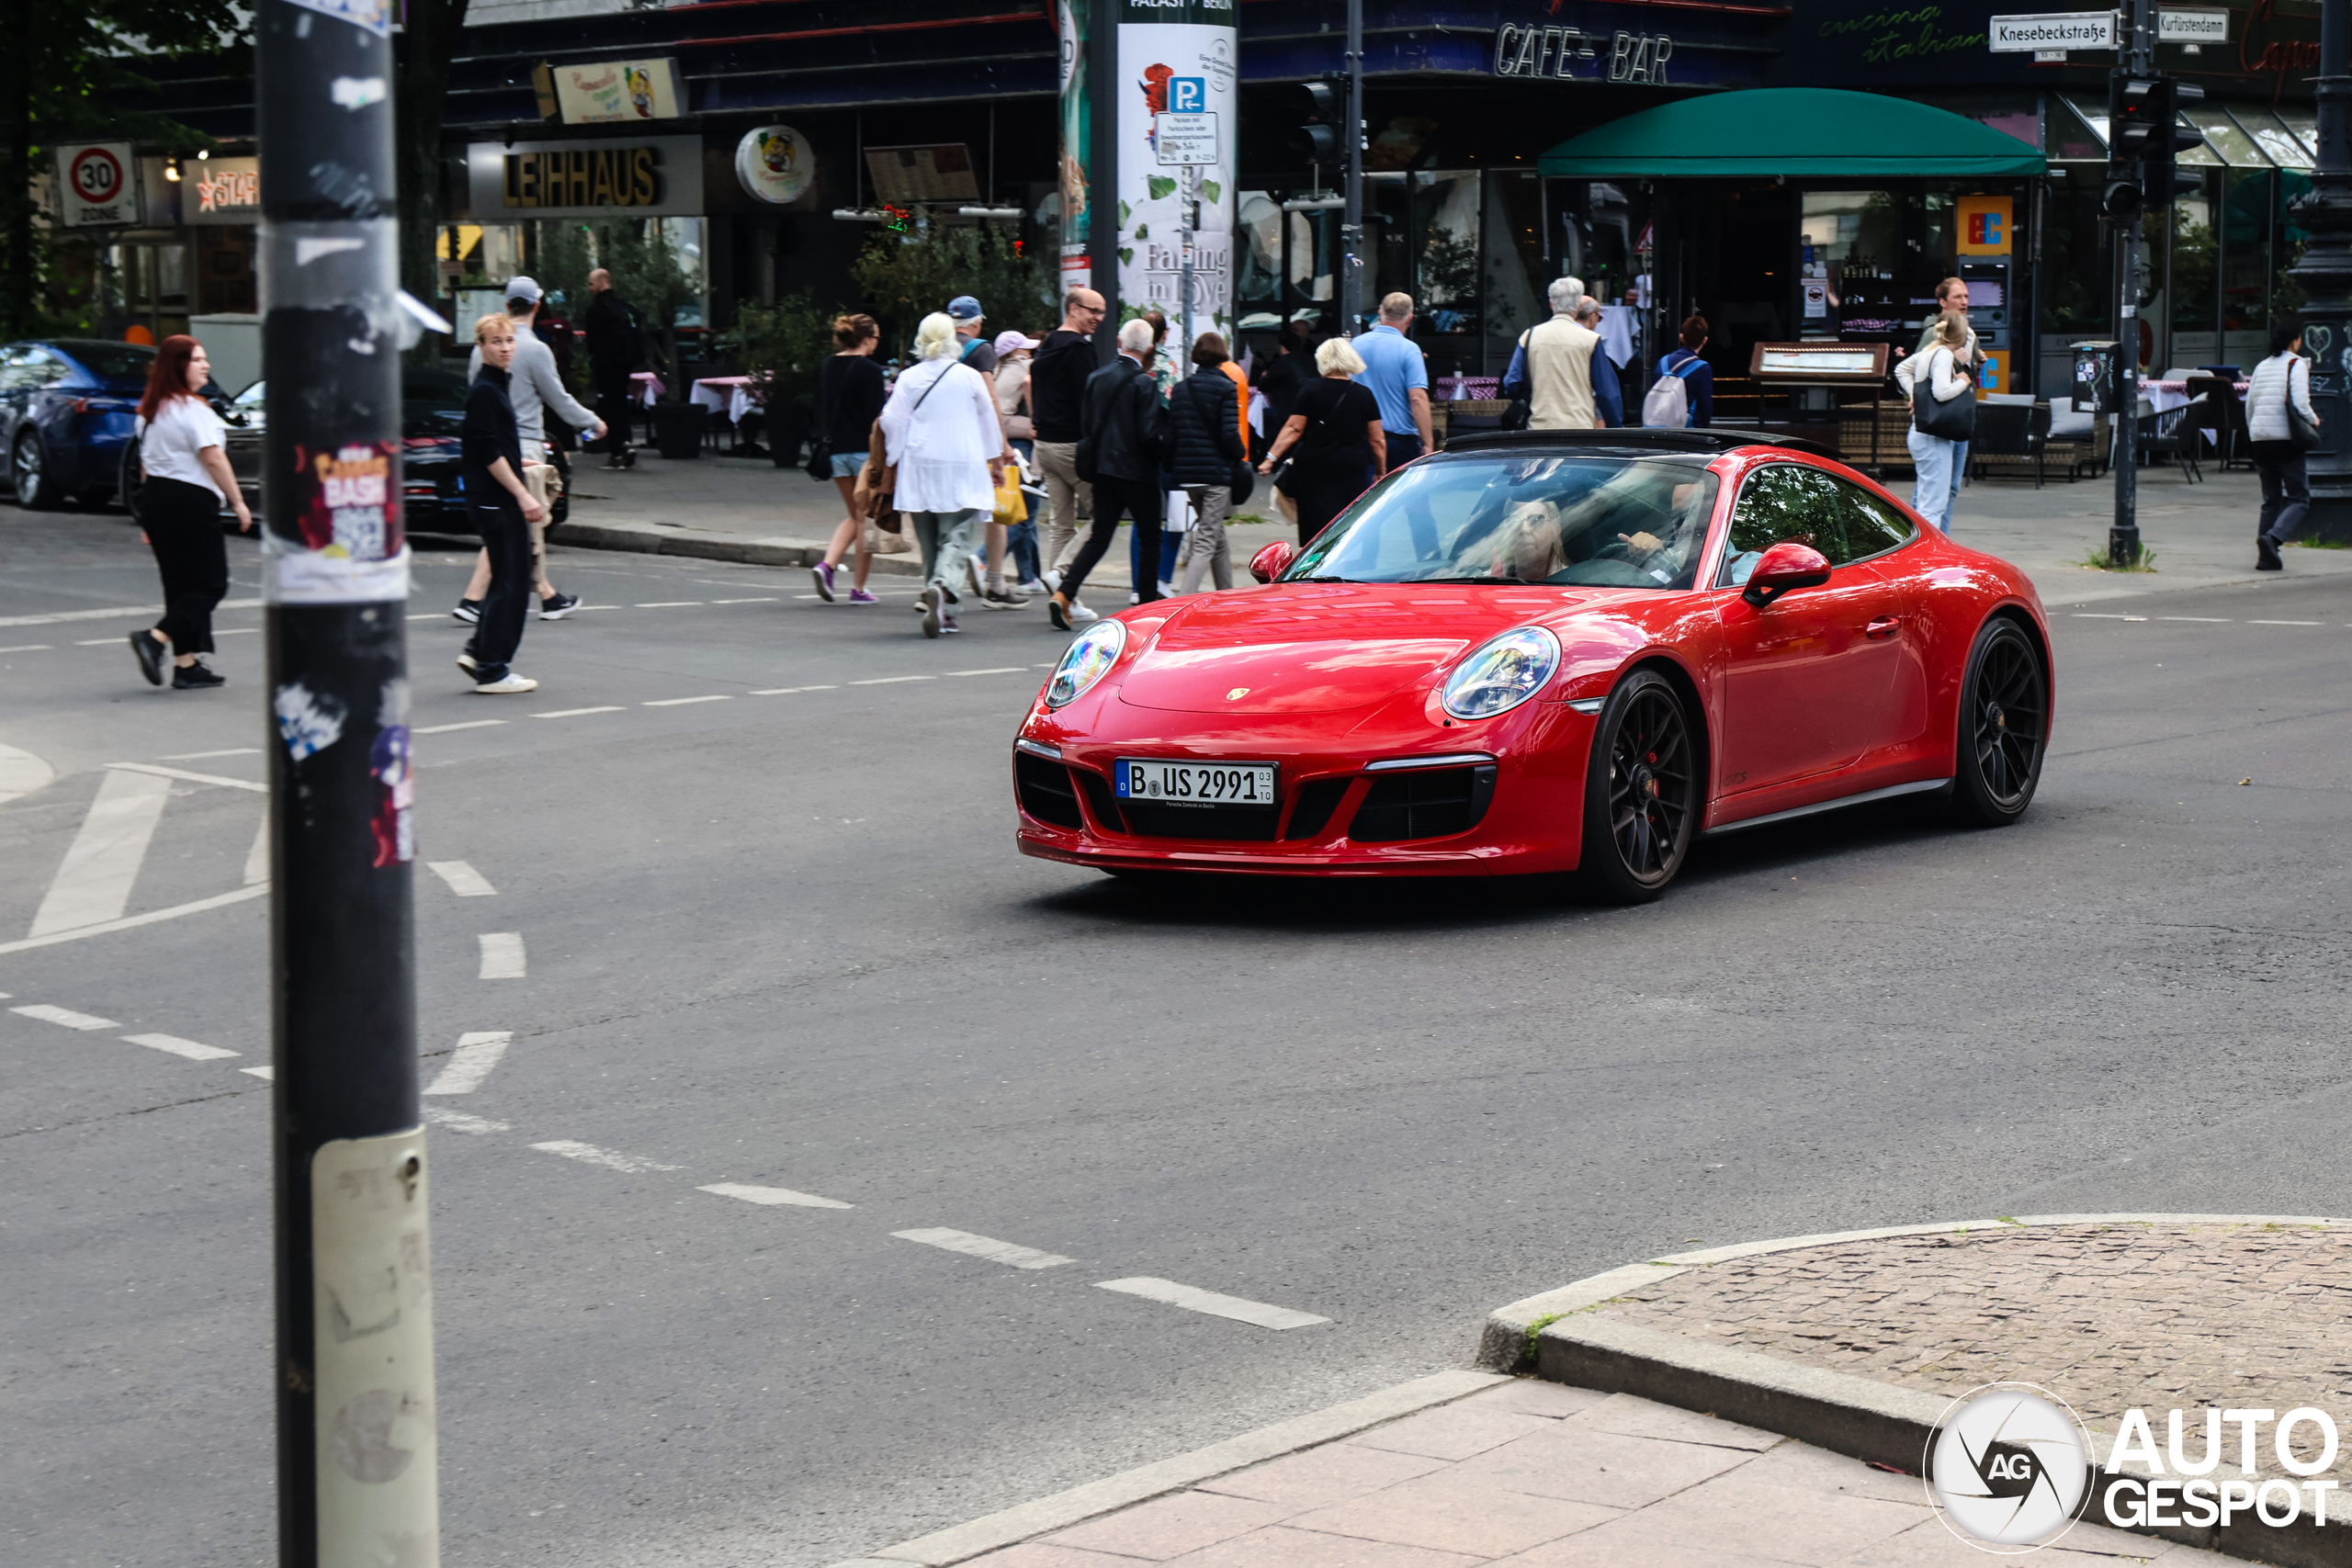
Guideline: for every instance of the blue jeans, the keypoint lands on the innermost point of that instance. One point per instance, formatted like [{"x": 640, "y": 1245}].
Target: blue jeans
[
  {"x": 1931, "y": 498},
  {"x": 1958, "y": 473}
]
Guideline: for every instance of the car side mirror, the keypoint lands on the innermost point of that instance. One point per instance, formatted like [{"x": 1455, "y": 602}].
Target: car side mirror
[
  {"x": 1785, "y": 566},
  {"x": 1273, "y": 560}
]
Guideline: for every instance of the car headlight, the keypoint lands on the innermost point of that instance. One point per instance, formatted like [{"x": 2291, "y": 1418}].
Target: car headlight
[
  {"x": 1501, "y": 673},
  {"x": 1087, "y": 659}
]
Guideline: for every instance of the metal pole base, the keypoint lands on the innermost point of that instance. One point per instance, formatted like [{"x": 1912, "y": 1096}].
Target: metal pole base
[
  {"x": 2329, "y": 522},
  {"x": 2123, "y": 548}
]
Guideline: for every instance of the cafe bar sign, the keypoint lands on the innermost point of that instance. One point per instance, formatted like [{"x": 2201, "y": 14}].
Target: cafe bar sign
[
  {"x": 640, "y": 176},
  {"x": 1571, "y": 54}
]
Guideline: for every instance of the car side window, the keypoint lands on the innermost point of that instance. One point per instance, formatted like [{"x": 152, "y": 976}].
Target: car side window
[
  {"x": 20, "y": 368},
  {"x": 1872, "y": 525},
  {"x": 1783, "y": 501}
]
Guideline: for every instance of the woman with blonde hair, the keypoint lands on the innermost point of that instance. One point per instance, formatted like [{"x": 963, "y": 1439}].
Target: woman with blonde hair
[
  {"x": 1939, "y": 425},
  {"x": 1335, "y": 427},
  {"x": 940, "y": 431}
]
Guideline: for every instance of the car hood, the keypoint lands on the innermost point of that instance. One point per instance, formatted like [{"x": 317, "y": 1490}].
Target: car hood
[{"x": 1320, "y": 648}]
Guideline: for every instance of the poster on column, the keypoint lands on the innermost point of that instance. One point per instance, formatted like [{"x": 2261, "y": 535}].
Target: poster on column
[
  {"x": 1077, "y": 145},
  {"x": 1176, "y": 56}
]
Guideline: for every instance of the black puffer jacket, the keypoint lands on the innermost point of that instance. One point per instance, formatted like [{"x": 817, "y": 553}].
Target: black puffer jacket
[
  {"x": 1208, "y": 436},
  {"x": 1122, "y": 427}
]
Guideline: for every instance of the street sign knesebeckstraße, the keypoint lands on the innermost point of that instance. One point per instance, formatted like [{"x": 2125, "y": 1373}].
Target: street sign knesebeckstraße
[
  {"x": 96, "y": 183},
  {"x": 1187, "y": 139},
  {"x": 2052, "y": 30}
]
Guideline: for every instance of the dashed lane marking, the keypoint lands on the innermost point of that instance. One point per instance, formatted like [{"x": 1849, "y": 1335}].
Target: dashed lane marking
[
  {"x": 98, "y": 642},
  {"x": 179, "y": 1047},
  {"x": 476, "y": 1055},
  {"x": 891, "y": 680},
  {"x": 502, "y": 955},
  {"x": 27, "y": 647},
  {"x": 777, "y": 1195},
  {"x": 462, "y": 878},
  {"x": 1001, "y": 669},
  {"x": 461, "y": 1122},
  {"x": 763, "y": 599},
  {"x": 208, "y": 756},
  {"x": 267, "y": 1075},
  {"x": 468, "y": 724},
  {"x": 681, "y": 702},
  {"x": 1195, "y": 1300},
  {"x": 238, "y": 631},
  {"x": 189, "y": 777},
  {"x": 93, "y": 885},
  {"x": 2205, "y": 620},
  {"x": 668, "y": 604},
  {"x": 577, "y": 712},
  {"x": 2285, "y": 623},
  {"x": 63, "y": 615},
  {"x": 66, "y": 1016},
  {"x": 430, "y": 616},
  {"x": 589, "y": 1154},
  {"x": 995, "y": 1251},
  {"x": 787, "y": 690}
]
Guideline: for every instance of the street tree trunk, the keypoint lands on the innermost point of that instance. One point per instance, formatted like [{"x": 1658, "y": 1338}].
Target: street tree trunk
[
  {"x": 19, "y": 307},
  {"x": 427, "y": 40}
]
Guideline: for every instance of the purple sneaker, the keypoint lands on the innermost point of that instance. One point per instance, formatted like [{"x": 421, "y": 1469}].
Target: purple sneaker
[
  {"x": 860, "y": 596},
  {"x": 824, "y": 572}
]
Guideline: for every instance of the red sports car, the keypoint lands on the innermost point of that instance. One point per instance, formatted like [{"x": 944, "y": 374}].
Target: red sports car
[{"x": 1548, "y": 652}]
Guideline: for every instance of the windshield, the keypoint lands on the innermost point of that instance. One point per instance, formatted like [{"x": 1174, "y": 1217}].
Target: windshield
[
  {"x": 427, "y": 389},
  {"x": 110, "y": 361},
  {"x": 1588, "y": 518}
]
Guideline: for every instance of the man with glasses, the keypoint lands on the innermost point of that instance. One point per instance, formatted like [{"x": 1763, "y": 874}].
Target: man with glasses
[{"x": 1058, "y": 374}]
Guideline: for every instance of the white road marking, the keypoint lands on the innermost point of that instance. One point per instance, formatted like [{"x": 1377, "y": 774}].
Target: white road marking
[
  {"x": 681, "y": 702},
  {"x": 502, "y": 955},
  {"x": 205, "y": 756},
  {"x": 179, "y": 1047},
  {"x": 66, "y": 1016},
  {"x": 462, "y": 878},
  {"x": 267, "y": 1075},
  {"x": 132, "y": 922},
  {"x": 772, "y": 1195},
  {"x": 671, "y": 604},
  {"x": 429, "y": 615},
  {"x": 628, "y": 1165},
  {"x": 257, "y": 857},
  {"x": 27, "y": 647},
  {"x": 764, "y": 599},
  {"x": 577, "y": 712},
  {"x": 461, "y": 1122},
  {"x": 787, "y": 690},
  {"x": 2285, "y": 623},
  {"x": 239, "y": 631},
  {"x": 995, "y": 1251},
  {"x": 2206, "y": 620},
  {"x": 2102, "y": 616},
  {"x": 892, "y": 679},
  {"x": 191, "y": 778},
  {"x": 21, "y": 773},
  {"x": 98, "y": 642},
  {"x": 63, "y": 615},
  {"x": 93, "y": 885},
  {"x": 1195, "y": 1300},
  {"x": 1045, "y": 667},
  {"x": 468, "y": 724},
  {"x": 1001, "y": 669},
  {"x": 476, "y": 1055}
]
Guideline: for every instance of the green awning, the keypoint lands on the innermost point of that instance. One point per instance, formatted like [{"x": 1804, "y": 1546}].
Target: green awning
[{"x": 1797, "y": 133}]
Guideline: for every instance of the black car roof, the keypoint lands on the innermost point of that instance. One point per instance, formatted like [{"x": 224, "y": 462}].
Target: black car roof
[{"x": 1713, "y": 440}]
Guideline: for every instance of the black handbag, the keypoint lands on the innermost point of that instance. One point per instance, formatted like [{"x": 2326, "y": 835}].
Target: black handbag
[{"x": 1952, "y": 421}]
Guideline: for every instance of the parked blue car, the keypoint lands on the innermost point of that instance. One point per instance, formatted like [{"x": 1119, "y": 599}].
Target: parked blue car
[{"x": 67, "y": 406}]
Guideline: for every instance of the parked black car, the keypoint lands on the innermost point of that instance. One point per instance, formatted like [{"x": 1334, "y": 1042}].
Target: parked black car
[{"x": 67, "y": 406}]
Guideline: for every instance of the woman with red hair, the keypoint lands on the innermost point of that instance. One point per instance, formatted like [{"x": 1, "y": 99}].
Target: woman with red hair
[{"x": 187, "y": 479}]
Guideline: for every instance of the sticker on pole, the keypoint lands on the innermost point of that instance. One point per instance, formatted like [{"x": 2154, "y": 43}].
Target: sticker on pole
[
  {"x": 376, "y": 16},
  {"x": 1187, "y": 139},
  {"x": 2052, "y": 30},
  {"x": 351, "y": 550}
]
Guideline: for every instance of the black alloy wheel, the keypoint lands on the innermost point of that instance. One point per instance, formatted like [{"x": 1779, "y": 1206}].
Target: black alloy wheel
[
  {"x": 28, "y": 467},
  {"x": 2004, "y": 727},
  {"x": 1642, "y": 795},
  {"x": 129, "y": 476}
]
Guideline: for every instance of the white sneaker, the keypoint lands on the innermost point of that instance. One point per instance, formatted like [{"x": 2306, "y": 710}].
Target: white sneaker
[
  {"x": 1033, "y": 586},
  {"x": 1080, "y": 615},
  {"x": 511, "y": 683},
  {"x": 1053, "y": 581},
  {"x": 1167, "y": 590},
  {"x": 976, "y": 567}
]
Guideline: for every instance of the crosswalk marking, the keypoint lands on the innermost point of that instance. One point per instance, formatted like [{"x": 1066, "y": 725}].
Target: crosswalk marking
[
  {"x": 179, "y": 1047},
  {"x": 1003, "y": 670},
  {"x": 995, "y": 1251},
  {"x": 461, "y": 1121},
  {"x": 589, "y": 1154},
  {"x": 66, "y": 1016},
  {"x": 502, "y": 955},
  {"x": 257, "y": 857},
  {"x": 59, "y": 616},
  {"x": 468, "y": 724},
  {"x": 462, "y": 878},
  {"x": 787, "y": 690},
  {"x": 774, "y": 1195},
  {"x": 205, "y": 756},
  {"x": 476, "y": 1055},
  {"x": 681, "y": 702},
  {"x": 1195, "y": 1300},
  {"x": 21, "y": 772},
  {"x": 94, "y": 883},
  {"x": 192, "y": 778},
  {"x": 265, "y": 1074},
  {"x": 132, "y": 922},
  {"x": 576, "y": 713},
  {"x": 892, "y": 679}
]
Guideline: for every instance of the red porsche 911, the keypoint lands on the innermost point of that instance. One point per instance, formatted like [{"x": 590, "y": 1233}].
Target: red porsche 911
[{"x": 1548, "y": 652}]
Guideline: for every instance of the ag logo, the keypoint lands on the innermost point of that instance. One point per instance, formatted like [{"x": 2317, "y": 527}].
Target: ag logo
[
  {"x": 1236, "y": 694},
  {"x": 2007, "y": 1466}
]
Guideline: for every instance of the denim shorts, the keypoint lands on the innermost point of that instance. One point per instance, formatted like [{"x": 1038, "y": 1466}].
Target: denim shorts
[{"x": 847, "y": 464}]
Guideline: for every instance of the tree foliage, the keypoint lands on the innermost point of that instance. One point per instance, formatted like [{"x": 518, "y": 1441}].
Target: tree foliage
[
  {"x": 783, "y": 347},
  {"x": 905, "y": 278}
]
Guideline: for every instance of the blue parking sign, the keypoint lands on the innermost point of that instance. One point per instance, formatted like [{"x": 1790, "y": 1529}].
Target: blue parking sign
[{"x": 1188, "y": 95}]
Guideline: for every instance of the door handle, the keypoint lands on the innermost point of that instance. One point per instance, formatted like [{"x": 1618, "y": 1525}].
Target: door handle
[{"x": 1885, "y": 625}]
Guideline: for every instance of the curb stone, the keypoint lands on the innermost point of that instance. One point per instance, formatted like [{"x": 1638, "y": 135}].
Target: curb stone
[
  {"x": 705, "y": 545},
  {"x": 1557, "y": 1335}
]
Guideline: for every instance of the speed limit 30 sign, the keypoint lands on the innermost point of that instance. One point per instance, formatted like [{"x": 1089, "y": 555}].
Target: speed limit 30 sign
[{"x": 96, "y": 184}]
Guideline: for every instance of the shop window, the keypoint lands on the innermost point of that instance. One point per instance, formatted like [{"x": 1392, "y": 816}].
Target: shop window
[
  {"x": 1850, "y": 242},
  {"x": 2075, "y": 260},
  {"x": 1258, "y": 266}
]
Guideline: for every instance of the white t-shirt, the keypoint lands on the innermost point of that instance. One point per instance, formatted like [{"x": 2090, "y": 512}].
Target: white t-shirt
[{"x": 168, "y": 446}]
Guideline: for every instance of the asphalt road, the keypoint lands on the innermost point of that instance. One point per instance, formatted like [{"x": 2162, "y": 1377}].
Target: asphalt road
[{"x": 783, "y": 941}]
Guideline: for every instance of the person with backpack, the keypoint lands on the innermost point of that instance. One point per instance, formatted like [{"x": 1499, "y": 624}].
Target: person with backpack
[
  {"x": 2281, "y": 426},
  {"x": 1210, "y": 458},
  {"x": 616, "y": 348},
  {"x": 1684, "y": 396},
  {"x": 972, "y": 345}
]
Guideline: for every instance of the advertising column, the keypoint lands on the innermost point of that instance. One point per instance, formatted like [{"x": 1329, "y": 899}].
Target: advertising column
[
  {"x": 1176, "y": 82},
  {"x": 1077, "y": 132}
]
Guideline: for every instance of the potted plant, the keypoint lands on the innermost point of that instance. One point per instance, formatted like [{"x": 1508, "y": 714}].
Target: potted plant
[
  {"x": 782, "y": 348},
  {"x": 653, "y": 276}
]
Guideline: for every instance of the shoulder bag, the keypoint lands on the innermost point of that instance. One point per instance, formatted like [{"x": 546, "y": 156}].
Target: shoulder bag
[
  {"x": 2300, "y": 431},
  {"x": 1952, "y": 421},
  {"x": 878, "y": 481}
]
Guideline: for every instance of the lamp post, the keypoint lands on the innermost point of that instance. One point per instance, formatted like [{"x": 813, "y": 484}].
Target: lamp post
[
  {"x": 1351, "y": 243},
  {"x": 2325, "y": 274}
]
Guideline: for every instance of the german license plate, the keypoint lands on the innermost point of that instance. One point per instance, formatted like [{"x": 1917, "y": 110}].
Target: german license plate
[{"x": 1197, "y": 784}]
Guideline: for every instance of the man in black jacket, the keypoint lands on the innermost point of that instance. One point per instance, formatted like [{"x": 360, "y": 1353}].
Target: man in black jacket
[
  {"x": 1123, "y": 433},
  {"x": 1058, "y": 374},
  {"x": 616, "y": 344}
]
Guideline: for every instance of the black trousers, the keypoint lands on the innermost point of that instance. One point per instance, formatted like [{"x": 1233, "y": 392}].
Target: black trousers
[
  {"x": 1113, "y": 497},
  {"x": 613, "y": 388},
  {"x": 507, "y": 538},
  {"x": 2286, "y": 489},
  {"x": 182, "y": 525}
]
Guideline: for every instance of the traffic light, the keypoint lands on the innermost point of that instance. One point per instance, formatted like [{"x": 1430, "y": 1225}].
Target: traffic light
[
  {"x": 2133, "y": 116},
  {"x": 2120, "y": 197},
  {"x": 2167, "y": 139},
  {"x": 1316, "y": 106}
]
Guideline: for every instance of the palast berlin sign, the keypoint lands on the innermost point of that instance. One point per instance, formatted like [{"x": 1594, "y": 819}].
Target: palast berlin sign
[{"x": 2052, "y": 29}]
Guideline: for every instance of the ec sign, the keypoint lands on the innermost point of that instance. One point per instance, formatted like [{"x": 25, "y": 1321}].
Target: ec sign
[{"x": 1984, "y": 224}]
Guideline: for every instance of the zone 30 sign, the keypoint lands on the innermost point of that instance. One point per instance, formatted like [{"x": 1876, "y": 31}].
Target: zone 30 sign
[{"x": 95, "y": 185}]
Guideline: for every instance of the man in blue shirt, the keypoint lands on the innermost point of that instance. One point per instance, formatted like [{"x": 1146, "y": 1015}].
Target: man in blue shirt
[{"x": 1398, "y": 378}]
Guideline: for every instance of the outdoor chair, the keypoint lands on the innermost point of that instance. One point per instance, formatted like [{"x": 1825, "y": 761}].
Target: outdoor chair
[
  {"x": 2012, "y": 432},
  {"x": 2172, "y": 437},
  {"x": 2225, "y": 417},
  {"x": 2079, "y": 440}
]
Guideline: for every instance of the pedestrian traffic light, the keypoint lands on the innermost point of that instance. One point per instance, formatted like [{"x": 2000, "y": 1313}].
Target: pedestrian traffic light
[
  {"x": 2119, "y": 197},
  {"x": 1316, "y": 106},
  {"x": 2167, "y": 140},
  {"x": 2132, "y": 116}
]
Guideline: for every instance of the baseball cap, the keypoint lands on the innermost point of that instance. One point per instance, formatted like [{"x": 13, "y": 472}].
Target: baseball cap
[
  {"x": 1007, "y": 342},
  {"x": 964, "y": 308},
  {"x": 523, "y": 289}
]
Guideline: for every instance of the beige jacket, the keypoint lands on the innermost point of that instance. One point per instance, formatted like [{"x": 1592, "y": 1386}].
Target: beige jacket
[{"x": 1559, "y": 374}]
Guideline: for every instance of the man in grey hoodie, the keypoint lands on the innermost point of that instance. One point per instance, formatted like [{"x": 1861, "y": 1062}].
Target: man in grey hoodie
[{"x": 534, "y": 386}]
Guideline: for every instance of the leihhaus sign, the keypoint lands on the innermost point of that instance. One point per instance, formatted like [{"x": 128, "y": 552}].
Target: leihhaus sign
[
  {"x": 1554, "y": 53},
  {"x": 649, "y": 176}
]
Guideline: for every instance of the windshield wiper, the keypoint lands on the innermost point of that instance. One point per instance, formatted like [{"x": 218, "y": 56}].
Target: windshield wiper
[
  {"x": 1489, "y": 579},
  {"x": 1318, "y": 579}
]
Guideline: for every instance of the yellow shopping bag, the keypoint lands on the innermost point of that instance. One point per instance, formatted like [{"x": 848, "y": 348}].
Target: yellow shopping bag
[{"x": 1011, "y": 507}]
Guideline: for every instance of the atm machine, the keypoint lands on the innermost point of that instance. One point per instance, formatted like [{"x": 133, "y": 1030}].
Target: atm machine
[{"x": 1991, "y": 312}]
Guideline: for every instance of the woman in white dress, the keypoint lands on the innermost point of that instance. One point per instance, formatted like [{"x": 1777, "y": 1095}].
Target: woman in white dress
[{"x": 940, "y": 431}]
